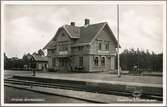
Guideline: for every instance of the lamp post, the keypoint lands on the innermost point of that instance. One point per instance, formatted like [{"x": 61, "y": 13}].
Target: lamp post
[
  {"x": 31, "y": 63},
  {"x": 119, "y": 74}
]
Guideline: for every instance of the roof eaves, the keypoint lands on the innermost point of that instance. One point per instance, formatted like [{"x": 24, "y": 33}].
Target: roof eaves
[
  {"x": 46, "y": 46},
  {"x": 114, "y": 37},
  {"x": 80, "y": 44}
]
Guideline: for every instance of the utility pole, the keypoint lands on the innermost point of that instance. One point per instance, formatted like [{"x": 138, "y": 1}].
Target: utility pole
[{"x": 119, "y": 74}]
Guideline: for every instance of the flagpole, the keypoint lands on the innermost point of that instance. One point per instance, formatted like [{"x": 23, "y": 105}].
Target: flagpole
[{"x": 118, "y": 40}]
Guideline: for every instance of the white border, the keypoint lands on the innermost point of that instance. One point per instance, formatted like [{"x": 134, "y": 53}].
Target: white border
[
  {"x": 164, "y": 54},
  {"x": 2, "y": 54},
  {"x": 84, "y": 2}
]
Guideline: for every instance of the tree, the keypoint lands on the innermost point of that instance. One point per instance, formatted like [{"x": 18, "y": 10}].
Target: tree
[
  {"x": 144, "y": 60},
  {"x": 6, "y": 61},
  {"x": 27, "y": 59}
]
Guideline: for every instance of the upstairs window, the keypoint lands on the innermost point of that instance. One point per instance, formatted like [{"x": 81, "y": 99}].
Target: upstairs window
[
  {"x": 63, "y": 45},
  {"x": 99, "y": 44},
  {"x": 106, "y": 45},
  {"x": 63, "y": 48}
]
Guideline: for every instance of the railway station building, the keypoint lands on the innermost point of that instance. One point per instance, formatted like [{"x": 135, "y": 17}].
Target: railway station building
[{"x": 87, "y": 48}]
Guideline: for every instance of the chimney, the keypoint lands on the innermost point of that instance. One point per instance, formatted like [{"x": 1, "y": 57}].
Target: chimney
[
  {"x": 72, "y": 23},
  {"x": 87, "y": 21}
]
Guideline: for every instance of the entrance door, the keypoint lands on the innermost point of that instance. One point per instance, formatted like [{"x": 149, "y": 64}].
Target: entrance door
[{"x": 64, "y": 64}]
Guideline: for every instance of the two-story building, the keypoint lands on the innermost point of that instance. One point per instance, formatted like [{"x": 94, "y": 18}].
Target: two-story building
[{"x": 88, "y": 48}]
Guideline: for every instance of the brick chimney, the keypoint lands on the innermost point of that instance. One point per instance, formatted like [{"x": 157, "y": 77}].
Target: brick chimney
[
  {"x": 72, "y": 23},
  {"x": 87, "y": 21}
]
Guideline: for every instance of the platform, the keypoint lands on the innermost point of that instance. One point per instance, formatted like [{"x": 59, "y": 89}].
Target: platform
[
  {"x": 144, "y": 84},
  {"x": 100, "y": 77}
]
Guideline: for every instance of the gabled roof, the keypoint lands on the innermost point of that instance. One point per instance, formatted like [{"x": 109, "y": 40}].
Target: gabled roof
[
  {"x": 83, "y": 35},
  {"x": 73, "y": 31},
  {"x": 51, "y": 45},
  {"x": 87, "y": 33}
]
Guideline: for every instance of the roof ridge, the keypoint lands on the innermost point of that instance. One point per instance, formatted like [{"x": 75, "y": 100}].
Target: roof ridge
[
  {"x": 97, "y": 23},
  {"x": 70, "y": 25},
  {"x": 84, "y": 25}
]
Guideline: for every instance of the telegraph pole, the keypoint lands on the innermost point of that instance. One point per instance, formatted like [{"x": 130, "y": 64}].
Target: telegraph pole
[{"x": 119, "y": 74}]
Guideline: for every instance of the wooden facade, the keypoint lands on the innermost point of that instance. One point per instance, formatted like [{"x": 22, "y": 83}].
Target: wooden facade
[{"x": 90, "y": 48}]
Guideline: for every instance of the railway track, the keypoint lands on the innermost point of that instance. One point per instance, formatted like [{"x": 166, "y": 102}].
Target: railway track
[{"x": 87, "y": 88}]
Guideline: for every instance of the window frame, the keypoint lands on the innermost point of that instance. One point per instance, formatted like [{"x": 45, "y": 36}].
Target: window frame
[
  {"x": 107, "y": 45},
  {"x": 80, "y": 48},
  {"x": 103, "y": 61},
  {"x": 96, "y": 61},
  {"x": 63, "y": 45},
  {"x": 99, "y": 44},
  {"x": 53, "y": 61},
  {"x": 80, "y": 60}
]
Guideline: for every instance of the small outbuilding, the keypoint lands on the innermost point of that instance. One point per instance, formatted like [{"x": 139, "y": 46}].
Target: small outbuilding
[{"x": 41, "y": 62}]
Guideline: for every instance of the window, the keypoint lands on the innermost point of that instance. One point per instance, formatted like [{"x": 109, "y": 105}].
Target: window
[
  {"x": 62, "y": 61},
  {"x": 107, "y": 45},
  {"x": 64, "y": 48},
  {"x": 63, "y": 34},
  {"x": 63, "y": 45},
  {"x": 96, "y": 61},
  {"x": 50, "y": 51},
  {"x": 80, "y": 48},
  {"x": 99, "y": 45},
  {"x": 53, "y": 51},
  {"x": 53, "y": 61},
  {"x": 103, "y": 61},
  {"x": 81, "y": 61}
]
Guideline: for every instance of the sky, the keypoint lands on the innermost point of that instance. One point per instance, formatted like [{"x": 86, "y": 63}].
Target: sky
[{"x": 28, "y": 28}]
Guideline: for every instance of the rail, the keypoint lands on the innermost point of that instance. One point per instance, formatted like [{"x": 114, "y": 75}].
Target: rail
[{"x": 87, "y": 88}]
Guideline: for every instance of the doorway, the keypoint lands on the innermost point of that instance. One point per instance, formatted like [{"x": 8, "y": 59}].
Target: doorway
[{"x": 64, "y": 64}]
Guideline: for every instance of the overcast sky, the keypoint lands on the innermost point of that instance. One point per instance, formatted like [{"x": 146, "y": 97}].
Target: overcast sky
[{"x": 29, "y": 28}]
